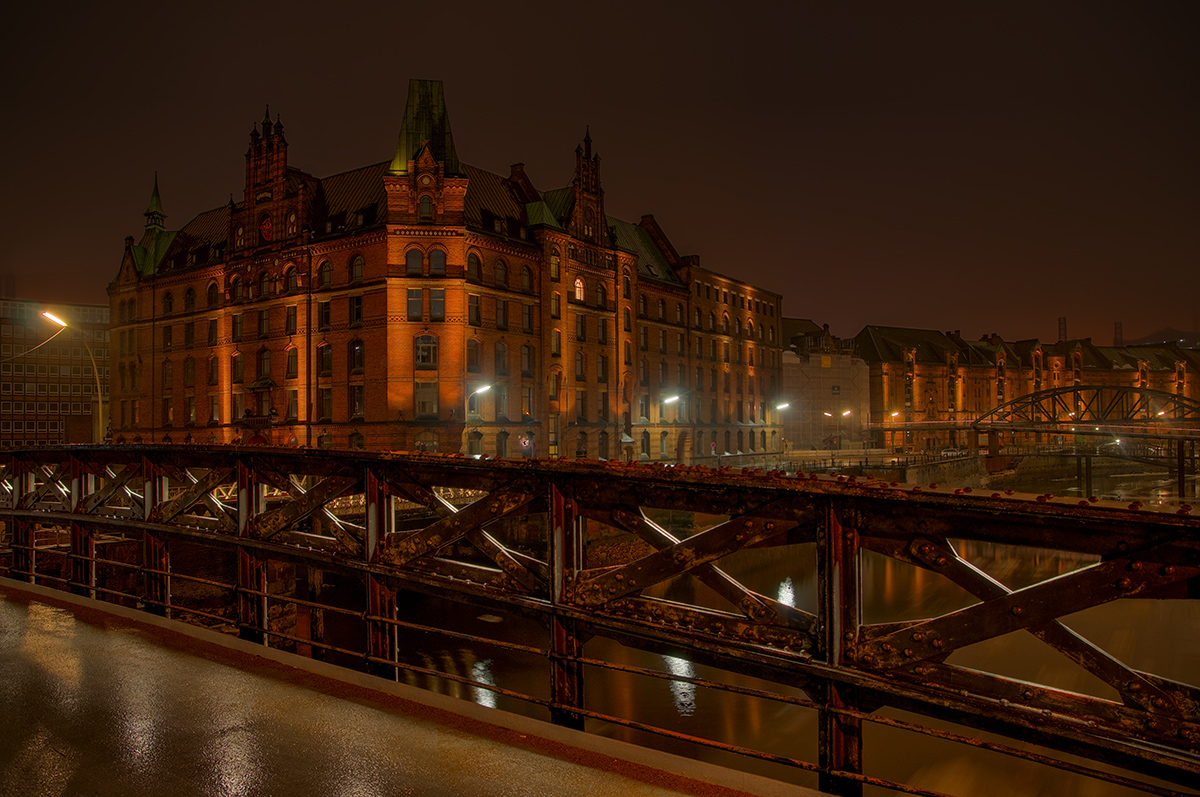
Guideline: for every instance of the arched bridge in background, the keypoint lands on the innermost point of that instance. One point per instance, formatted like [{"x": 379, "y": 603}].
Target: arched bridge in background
[
  {"x": 1097, "y": 410},
  {"x": 241, "y": 539}
]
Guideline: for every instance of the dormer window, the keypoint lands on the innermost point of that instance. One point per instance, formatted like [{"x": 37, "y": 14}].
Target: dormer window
[{"x": 168, "y": 304}]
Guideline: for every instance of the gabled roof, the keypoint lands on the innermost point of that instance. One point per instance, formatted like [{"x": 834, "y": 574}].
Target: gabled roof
[
  {"x": 888, "y": 344},
  {"x": 489, "y": 192},
  {"x": 651, "y": 262},
  {"x": 355, "y": 191}
]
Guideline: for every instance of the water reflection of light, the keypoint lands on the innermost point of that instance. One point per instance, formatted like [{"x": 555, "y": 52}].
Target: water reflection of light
[
  {"x": 684, "y": 693},
  {"x": 481, "y": 672},
  {"x": 787, "y": 593}
]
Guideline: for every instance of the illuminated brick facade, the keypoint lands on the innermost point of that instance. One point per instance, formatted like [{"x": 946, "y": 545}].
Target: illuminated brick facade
[{"x": 425, "y": 304}]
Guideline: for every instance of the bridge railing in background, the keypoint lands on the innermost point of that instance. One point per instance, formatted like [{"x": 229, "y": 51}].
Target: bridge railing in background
[{"x": 340, "y": 555}]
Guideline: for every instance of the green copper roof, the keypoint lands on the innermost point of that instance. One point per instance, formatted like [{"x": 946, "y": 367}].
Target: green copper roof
[
  {"x": 426, "y": 121},
  {"x": 539, "y": 213}
]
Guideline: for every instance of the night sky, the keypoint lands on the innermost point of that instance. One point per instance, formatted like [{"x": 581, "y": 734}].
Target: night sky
[{"x": 979, "y": 166}]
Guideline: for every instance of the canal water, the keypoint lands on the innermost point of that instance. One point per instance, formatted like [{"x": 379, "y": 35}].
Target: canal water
[{"x": 1156, "y": 636}]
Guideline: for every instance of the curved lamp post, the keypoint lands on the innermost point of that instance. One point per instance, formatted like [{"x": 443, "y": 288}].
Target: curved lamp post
[{"x": 98, "y": 418}]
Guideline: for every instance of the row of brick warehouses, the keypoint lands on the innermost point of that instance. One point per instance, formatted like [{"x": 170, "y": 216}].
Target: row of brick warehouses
[
  {"x": 924, "y": 376},
  {"x": 425, "y": 304}
]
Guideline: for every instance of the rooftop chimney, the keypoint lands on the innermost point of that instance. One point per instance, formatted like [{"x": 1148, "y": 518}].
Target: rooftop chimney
[
  {"x": 1118, "y": 338},
  {"x": 1062, "y": 328}
]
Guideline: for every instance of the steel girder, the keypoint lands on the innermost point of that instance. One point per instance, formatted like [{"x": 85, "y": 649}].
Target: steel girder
[{"x": 523, "y": 535}]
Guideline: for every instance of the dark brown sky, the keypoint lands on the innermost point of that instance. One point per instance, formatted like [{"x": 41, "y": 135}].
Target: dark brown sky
[{"x": 983, "y": 166}]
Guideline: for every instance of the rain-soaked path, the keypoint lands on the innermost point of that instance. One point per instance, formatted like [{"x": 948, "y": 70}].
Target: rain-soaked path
[{"x": 92, "y": 704}]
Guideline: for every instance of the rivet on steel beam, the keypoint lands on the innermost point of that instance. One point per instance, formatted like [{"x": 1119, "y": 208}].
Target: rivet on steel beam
[
  {"x": 747, "y": 524},
  {"x": 941, "y": 560},
  {"x": 868, "y": 659},
  {"x": 1169, "y": 570},
  {"x": 1027, "y": 694},
  {"x": 770, "y": 526},
  {"x": 887, "y": 648},
  {"x": 848, "y": 636},
  {"x": 1152, "y": 724},
  {"x": 1135, "y": 566},
  {"x": 908, "y": 652},
  {"x": 918, "y": 636},
  {"x": 1134, "y": 686},
  {"x": 1159, "y": 702},
  {"x": 937, "y": 643},
  {"x": 1017, "y": 611},
  {"x": 925, "y": 549},
  {"x": 1123, "y": 583}
]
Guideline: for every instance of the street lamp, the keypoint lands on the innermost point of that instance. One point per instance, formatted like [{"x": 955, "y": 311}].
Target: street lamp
[
  {"x": 467, "y": 410},
  {"x": 98, "y": 422}
]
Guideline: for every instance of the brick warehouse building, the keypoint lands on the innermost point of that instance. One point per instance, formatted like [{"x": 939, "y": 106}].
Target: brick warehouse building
[{"x": 425, "y": 304}]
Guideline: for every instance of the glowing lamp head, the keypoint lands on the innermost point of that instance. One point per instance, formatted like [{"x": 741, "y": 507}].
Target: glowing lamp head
[{"x": 55, "y": 319}]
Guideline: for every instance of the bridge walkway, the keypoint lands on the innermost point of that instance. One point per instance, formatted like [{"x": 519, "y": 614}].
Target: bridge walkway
[{"x": 122, "y": 703}]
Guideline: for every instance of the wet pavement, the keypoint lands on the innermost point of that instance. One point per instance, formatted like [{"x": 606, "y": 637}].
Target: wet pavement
[{"x": 94, "y": 704}]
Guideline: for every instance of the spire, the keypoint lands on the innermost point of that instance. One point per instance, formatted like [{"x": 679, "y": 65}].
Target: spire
[
  {"x": 426, "y": 123},
  {"x": 267, "y": 121},
  {"x": 587, "y": 141},
  {"x": 154, "y": 213}
]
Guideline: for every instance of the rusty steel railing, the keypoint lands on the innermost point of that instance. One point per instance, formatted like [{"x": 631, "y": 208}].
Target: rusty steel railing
[{"x": 249, "y": 540}]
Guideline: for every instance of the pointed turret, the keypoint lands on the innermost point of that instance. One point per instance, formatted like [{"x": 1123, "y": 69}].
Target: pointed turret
[
  {"x": 154, "y": 213},
  {"x": 426, "y": 124}
]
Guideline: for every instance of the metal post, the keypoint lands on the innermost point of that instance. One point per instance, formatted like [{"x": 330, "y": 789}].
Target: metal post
[
  {"x": 1087, "y": 477},
  {"x": 83, "y": 541},
  {"x": 381, "y": 602},
  {"x": 566, "y": 552},
  {"x": 839, "y": 616},
  {"x": 155, "y": 557},
  {"x": 1181, "y": 461},
  {"x": 24, "y": 538},
  {"x": 252, "y": 571}
]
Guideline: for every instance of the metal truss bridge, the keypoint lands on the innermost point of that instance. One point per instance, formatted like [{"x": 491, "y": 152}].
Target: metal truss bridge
[{"x": 236, "y": 538}]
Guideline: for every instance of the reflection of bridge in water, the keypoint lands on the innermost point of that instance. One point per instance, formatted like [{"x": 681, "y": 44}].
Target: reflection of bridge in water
[{"x": 329, "y": 554}]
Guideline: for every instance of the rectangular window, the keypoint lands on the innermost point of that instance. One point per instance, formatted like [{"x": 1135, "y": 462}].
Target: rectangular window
[
  {"x": 235, "y": 367},
  {"x": 289, "y": 324},
  {"x": 189, "y": 334},
  {"x": 437, "y": 304},
  {"x": 415, "y": 307},
  {"x": 554, "y": 305},
  {"x": 602, "y": 331},
  {"x": 581, "y": 405},
  {"x": 325, "y": 399},
  {"x": 527, "y": 318},
  {"x": 214, "y": 409},
  {"x": 191, "y": 410},
  {"x": 168, "y": 412},
  {"x": 501, "y": 399},
  {"x": 293, "y": 363},
  {"x": 602, "y": 406},
  {"x": 323, "y": 316},
  {"x": 425, "y": 399},
  {"x": 212, "y": 332},
  {"x": 601, "y": 368},
  {"x": 527, "y": 402},
  {"x": 264, "y": 323},
  {"x": 662, "y": 341},
  {"x": 357, "y": 402},
  {"x": 235, "y": 333},
  {"x": 473, "y": 310},
  {"x": 356, "y": 311},
  {"x": 293, "y": 409},
  {"x": 501, "y": 314},
  {"x": 166, "y": 338},
  {"x": 580, "y": 327},
  {"x": 643, "y": 339}
]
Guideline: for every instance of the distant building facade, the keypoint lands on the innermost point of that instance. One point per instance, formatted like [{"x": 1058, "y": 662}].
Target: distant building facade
[
  {"x": 48, "y": 381},
  {"x": 425, "y": 304},
  {"x": 827, "y": 388},
  {"x": 925, "y": 377}
]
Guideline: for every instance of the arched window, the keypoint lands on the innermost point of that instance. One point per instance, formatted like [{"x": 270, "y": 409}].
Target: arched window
[
  {"x": 501, "y": 359},
  {"x": 580, "y": 289},
  {"x": 628, "y": 322},
  {"x": 264, "y": 285},
  {"x": 356, "y": 355},
  {"x": 325, "y": 275},
  {"x": 725, "y": 324},
  {"x": 413, "y": 262},
  {"x": 712, "y": 321},
  {"x": 662, "y": 310},
  {"x": 662, "y": 445},
  {"x": 601, "y": 295},
  {"x": 189, "y": 301},
  {"x": 357, "y": 440},
  {"x": 473, "y": 355},
  {"x": 213, "y": 294},
  {"x": 291, "y": 279},
  {"x": 235, "y": 289},
  {"x": 641, "y": 305},
  {"x": 437, "y": 262},
  {"x": 646, "y": 445},
  {"x": 580, "y": 370},
  {"x": 214, "y": 370},
  {"x": 696, "y": 318},
  {"x": 501, "y": 274},
  {"x": 581, "y": 442},
  {"x": 475, "y": 444},
  {"x": 264, "y": 363},
  {"x": 189, "y": 372},
  {"x": 526, "y": 279},
  {"x": 291, "y": 223},
  {"x": 426, "y": 353},
  {"x": 425, "y": 207},
  {"x": 678, "y": 313},
  {"x": 168, "y": 374},
  {"x": 239, "y": 237},
  {"x": 555, "y": 261},
  {"x": 770, "y": 334},
  {"x": 168, "y": 303},
  {"x": 626, "y": 291},
  {"x": 528, "y": 360},
  {"x": 474, "y": 270},
  {"x": 737, "y": 326},
  {"x": 293, "y": 362},
  {"x": 357, "y": 266},
  {"x": 324, "y": 360}
]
